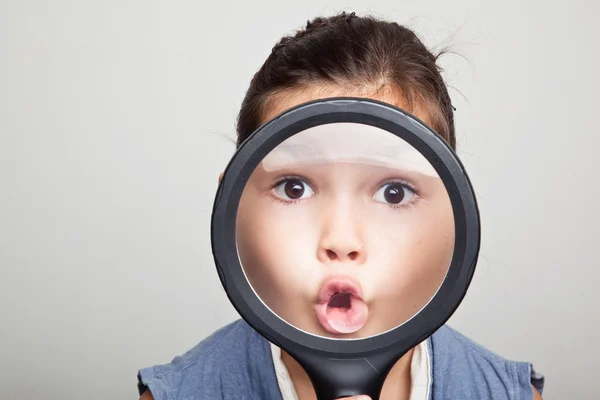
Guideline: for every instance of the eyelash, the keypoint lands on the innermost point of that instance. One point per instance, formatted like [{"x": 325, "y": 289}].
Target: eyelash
[
  {"x": 283, "y": 179},
  {"x": 409, "y": 186}
]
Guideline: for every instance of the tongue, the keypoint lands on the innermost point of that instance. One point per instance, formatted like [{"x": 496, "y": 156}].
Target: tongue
[{"x": 346, "y": 313}]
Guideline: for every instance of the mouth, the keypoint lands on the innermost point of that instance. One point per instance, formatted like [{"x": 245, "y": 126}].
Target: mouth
[{"x": 340, "y": 308}]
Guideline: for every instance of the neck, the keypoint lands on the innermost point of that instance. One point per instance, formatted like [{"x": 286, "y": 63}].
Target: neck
[{"x": 396, "y": 386}]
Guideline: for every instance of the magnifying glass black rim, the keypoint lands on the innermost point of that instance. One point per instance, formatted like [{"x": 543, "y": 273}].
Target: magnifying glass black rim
[{"x": 363, "y": 111}]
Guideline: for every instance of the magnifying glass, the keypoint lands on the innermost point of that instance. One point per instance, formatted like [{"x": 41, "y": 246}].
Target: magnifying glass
[{"x": 345, "y": 231}]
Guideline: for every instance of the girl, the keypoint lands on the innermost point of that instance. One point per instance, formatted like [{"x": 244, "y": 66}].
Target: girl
[{"x": 342, "y": 55}]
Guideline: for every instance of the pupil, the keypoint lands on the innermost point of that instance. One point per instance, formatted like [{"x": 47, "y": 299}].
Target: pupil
[
  {"x": 294, "y": 189},
  {"x": 394, "y": 194}
]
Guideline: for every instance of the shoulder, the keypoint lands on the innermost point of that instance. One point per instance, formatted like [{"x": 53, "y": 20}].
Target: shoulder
[
  {"x": 224, "y": 362},
  {"x": 461, "y": 365}
]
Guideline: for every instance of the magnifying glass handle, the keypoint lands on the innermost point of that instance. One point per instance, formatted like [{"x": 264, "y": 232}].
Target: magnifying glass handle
[{"x": 339, "y": 378}]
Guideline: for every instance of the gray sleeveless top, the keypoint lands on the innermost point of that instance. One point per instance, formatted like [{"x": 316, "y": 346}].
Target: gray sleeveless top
[{"x": 235, "y": 363}]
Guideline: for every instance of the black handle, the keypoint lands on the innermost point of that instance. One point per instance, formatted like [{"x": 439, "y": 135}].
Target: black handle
[{"x": 338, "y": 378}]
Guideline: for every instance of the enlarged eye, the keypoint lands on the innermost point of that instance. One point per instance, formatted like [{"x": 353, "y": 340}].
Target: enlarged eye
[
  {"x": 293, "y": 189},
  {"x": 395, "y": 194}
]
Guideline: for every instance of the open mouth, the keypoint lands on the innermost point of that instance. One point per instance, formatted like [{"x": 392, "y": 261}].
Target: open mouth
[{"x": 340, "y": 308}]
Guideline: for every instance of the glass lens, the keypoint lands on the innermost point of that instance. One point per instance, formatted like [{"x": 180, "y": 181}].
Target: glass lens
[{"x": 345, "y": 231}]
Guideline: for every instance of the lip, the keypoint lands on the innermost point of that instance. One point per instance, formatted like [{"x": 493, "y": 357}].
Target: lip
[
  {"x": 359, "y": 309},
  {"x": 336, "y": 285}
]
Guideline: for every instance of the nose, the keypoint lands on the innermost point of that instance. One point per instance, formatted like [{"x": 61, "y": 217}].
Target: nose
[{"x": 340, "y": 238}]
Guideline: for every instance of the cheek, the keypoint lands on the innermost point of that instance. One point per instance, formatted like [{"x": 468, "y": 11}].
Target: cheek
[
  {"x": 276, "y": 245},
  {"x": 416, "y": 249}
]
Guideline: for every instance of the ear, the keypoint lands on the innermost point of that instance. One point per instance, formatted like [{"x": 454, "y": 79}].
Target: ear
[{"x": 220, "y": 177}]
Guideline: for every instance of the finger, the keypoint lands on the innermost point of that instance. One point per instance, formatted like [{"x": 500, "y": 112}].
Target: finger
[{"x": 361, "y": 397}]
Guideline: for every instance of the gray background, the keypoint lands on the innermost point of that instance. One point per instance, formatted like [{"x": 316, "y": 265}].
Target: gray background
[{"x": 116, "y": 118}]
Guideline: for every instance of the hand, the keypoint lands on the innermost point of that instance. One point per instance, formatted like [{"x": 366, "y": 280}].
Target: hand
[{"x": 361, "y": 397}]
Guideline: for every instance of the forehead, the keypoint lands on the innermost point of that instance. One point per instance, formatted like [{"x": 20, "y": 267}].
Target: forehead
[
  {"x": 280, "y": 102},
  {"x": 366, "y": 146},
  {"x": 347, "y": 143}
]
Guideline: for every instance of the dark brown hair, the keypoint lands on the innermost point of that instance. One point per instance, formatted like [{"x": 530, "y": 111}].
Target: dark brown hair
[{"x": 352, "y": 52}]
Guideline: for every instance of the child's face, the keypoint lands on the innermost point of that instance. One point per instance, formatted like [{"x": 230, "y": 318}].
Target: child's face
[{"x": 381, "y": 236}]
